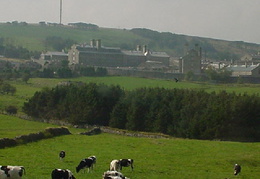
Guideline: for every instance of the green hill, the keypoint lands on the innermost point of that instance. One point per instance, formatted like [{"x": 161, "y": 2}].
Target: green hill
[{"x": 33, "y": 36}]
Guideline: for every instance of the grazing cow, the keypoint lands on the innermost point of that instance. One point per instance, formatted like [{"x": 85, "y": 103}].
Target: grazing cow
[
  {"x": 62, "y": 174},
  {"x": 62, "y": 154},
  {"x": 113, "y": 175},
  {"x": 126, "y": 163},
  {"x": 86, "y": 163},
  {"x": 237, "y": 169},
  {"x": 115, "y": 165},
  {"x": 11, "y": 172}
]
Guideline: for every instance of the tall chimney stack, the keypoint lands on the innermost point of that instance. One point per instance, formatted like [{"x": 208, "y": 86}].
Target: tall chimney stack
[
  {"x": 144, "y": 48},
  {"x": 98, "y": 44}
]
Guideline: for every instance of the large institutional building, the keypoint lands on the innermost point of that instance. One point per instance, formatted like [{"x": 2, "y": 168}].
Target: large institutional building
[{"x": 95, "y": 54}]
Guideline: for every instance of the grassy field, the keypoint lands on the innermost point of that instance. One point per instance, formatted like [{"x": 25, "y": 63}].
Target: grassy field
[
  {"x": 12, "y": 126},
  {"x": 153, "y": 158}
]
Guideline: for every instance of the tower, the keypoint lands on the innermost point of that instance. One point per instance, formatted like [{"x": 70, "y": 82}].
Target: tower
[{"x": 60, "y": 11}]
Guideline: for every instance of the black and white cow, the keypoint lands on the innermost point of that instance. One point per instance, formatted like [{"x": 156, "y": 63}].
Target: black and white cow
[
  {"x": 62, "y": 154},
  {"x": 114, "y": 165},
  {"x": 126, "y": 163},
  {"x": 113, "y": 175},
  {"x": 62, "y": 174},
  {"x": 86, "y": 163},
  {"x": 237, "y": 169},
  {"x": 11, "y": 172}
]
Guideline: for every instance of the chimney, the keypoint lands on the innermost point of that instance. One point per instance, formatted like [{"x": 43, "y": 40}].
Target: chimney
[
  {"x": 98, "y": 44},
  {"x": 93, "y": 43},
  {"x": 144, "y": 48},
  {"x": 138, "y": 48}
]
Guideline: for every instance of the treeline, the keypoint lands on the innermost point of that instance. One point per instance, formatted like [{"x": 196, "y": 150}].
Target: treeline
[
  {"x": 177, "y": 112},
  {"x": 11, "y": 51},
  {"x": 82, "y": 25},
  {"x": 58, "y": 43}
]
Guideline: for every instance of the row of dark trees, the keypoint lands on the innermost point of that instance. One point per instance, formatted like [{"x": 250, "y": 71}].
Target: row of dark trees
[
  {"x": 11, "y": 51},
  {"x": 177, "y": 112},
  {"x": 7, "y": 49},
  {"x": 58, "y": 43},
  {"x": 29, "y": 70}
]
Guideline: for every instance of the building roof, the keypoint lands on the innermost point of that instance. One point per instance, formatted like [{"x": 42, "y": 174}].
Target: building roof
[
  {"x": 150, "y": 53},
  {"x": 133, "y": 53},
  {"x": 87, "y": 48},
  {"x": 241, "y": 68},
  {"x": 159, "y": 54},
  {"x": 55, "y": 53}
]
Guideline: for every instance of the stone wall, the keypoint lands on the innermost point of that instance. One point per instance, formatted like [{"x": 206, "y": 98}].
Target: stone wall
[{"x": 23, "y": 139}]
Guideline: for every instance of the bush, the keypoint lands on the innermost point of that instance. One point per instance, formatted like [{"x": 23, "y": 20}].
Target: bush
[{"x": 11, "y": 110}]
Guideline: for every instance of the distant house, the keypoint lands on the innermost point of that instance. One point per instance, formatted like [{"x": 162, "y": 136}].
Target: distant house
[
  {"x": 97, "y": 55},
  {"x": 54, "y": 56},
  {"x": 191, "y": 62},
  {"x": 52, "y": 59},
  {"x": 244, "y": 70}
]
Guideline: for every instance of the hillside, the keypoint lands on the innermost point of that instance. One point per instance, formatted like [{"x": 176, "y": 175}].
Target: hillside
[
  {"x": 33, "y": 36},
  {"x": 153, "y": 157}
]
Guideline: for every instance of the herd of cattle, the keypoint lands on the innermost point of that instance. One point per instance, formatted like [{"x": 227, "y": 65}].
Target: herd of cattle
[{"x": 16, "y": 172}]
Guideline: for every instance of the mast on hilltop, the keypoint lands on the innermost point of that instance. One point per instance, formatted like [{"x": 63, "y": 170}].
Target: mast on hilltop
[{"x": 60, "y": 11}]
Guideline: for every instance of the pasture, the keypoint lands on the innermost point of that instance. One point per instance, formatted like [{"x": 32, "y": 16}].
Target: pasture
[
  {"x": 153, "y": 158},
  {"x": 32, "y": 36}
]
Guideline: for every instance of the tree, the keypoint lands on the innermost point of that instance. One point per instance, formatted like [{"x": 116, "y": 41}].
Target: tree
[
  {"x": 6, "y": 88},
  {"x": 189, "y": 76},
  {"x": 101, "y": 71},
  {"x": 26, "y": 77}
]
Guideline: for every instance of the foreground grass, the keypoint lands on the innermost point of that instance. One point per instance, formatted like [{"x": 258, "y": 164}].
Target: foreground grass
[{"x": 154, "y": 158}]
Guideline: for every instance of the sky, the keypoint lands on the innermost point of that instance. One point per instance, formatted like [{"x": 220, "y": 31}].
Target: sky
[{"x": 234, "y": 20}]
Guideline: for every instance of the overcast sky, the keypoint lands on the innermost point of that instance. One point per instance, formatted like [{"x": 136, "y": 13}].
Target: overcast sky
[{"x": 236, "y": 20}]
